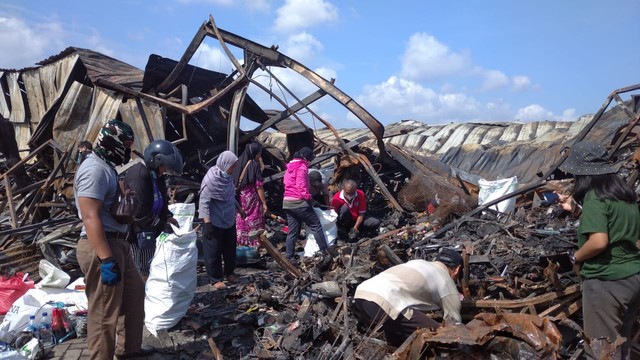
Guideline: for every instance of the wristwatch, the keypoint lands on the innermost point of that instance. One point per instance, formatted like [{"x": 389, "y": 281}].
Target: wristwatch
[{"x": 573, "y": 259}]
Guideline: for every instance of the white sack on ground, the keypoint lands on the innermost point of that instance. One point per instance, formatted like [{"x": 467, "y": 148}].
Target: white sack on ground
[{"x": 172, "y": 277}]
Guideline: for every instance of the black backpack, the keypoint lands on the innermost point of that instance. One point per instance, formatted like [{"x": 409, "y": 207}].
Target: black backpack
[{"x": 125, "y": 206}]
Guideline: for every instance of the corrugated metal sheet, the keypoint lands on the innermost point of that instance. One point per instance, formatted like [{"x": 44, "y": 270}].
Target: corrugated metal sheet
[
  {"x": 131, "y": 115},
  {"x": 105, "y": 107},
  {"x": 100, "y": 66},
  {"x": 23, "y": 134},
  {"x": 491, "y": 150},
  {"x": 4, "y": 107},
  {"x": 54, "y": 77},
  {"x": 35, "y": 95},
  {"x": 17, "y": 105},
  {"x": 72, "y": 117}
]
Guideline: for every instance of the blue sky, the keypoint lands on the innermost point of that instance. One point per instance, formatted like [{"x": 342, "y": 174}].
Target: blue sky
[{"x": 432, "y": 61}]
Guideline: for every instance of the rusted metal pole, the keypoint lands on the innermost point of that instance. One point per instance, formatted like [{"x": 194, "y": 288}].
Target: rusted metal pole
[
  {"x": 271, "y": 57},
  {"x": 184, "y": 60}
]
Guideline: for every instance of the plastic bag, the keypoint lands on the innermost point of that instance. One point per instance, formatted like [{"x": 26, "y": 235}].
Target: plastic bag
[
  {"x": 490, "y": 190},
  {"x": 183, "y": 213},
  {"x": 17, "y": 318},
  {"x": 328, "y": 221},
  {"x": 52, "y": 276},
  {"x": 172, "y": 277},
  {"x": 12, "y": 289}
]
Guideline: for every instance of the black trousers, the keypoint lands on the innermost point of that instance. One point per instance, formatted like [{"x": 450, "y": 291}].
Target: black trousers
[
  {"x": 295, "y": 218},
  {"x": 395, "y": 331},
  {"x": 219, "y": 246},
  {"x": 345, "y": 221}
]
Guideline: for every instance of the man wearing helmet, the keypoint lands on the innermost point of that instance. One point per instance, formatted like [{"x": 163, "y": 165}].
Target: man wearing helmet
[
  {"x": 161, "y": 157},
  {"x": 103, "y": 253}
]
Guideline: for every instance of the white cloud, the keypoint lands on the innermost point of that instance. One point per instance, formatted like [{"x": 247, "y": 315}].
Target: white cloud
[
  {"x": 494, "y": 79},
  {"x": 302, "y": 47},
  {"x": 23, "y": 44},
  {"x": 568, "y": 115},
  {"x": 212, "y": 58},
  {"x": 426, "y": 58},
  {"x": 399, "y": 99},
  {"x": 521, "y": 83},
  {"x": 533, "y": 112},
  {"x": 296, "y": 15}
]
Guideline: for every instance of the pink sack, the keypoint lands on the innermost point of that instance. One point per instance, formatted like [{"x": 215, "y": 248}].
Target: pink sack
[{"x": 11, "y": 289}]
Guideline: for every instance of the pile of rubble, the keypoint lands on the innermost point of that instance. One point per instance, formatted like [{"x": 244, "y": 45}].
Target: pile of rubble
[{"x": 522, "y": 299}]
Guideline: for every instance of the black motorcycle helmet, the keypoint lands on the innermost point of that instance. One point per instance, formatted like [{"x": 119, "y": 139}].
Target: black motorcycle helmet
[{"x": 163, "y": 152}]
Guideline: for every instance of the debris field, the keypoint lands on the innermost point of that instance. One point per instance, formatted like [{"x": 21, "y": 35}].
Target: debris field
[{"x": 521, "y": 296}]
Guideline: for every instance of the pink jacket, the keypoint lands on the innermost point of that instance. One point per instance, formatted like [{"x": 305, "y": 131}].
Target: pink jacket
[{"x": 296, "y": 180}]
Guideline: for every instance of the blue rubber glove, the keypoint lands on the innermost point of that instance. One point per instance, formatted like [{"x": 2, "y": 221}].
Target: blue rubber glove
[{"x": 109, "y": 271}]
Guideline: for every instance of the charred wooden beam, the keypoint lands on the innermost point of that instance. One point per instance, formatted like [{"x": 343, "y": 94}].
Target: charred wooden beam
[
  {"x": 277, "y": 256},
  {"x": 516, "y": 304},
  {"x": 12, "y": 209}
]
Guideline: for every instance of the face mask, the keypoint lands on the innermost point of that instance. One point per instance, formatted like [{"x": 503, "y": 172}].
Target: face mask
[
  {"x": 225, "y": 175},
  {"x": 127, "y": 155}
]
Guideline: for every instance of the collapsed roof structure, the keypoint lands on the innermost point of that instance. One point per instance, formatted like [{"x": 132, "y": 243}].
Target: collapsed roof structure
[{"x": 67, "y": 98}]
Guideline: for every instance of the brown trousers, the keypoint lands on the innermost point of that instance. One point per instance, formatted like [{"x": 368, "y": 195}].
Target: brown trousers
[{"x": 117, "y": 309}]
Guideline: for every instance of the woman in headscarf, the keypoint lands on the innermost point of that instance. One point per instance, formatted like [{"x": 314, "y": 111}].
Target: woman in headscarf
[
  {"x": 217, "y": 208},
  {"x": 608, "y": 258},
  {"x": 297, "y": 201},
  {"x": 248, "y": 177}
]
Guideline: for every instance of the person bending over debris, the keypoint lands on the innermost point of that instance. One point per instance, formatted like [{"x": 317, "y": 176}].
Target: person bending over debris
[
  {"x": 318, "y": 189},
  {"x": 297, "y": 201},
  {"x": 248, "y": 177},
  {"x": 608, "y": 258},
  {"x": 217, "y": 208},
  {"x": 152, "y": 216},
  {"x": 398, "y": 296},
  {"x": 351, "y": 206},
  {"x": 114, "y": 288}
]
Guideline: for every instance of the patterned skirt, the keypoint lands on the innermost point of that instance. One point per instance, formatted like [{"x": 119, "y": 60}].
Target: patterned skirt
[{"x": 252, "y": 206}]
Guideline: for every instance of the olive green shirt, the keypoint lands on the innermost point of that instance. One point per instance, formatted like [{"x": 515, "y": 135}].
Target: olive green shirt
[{"x": 621, "y": 222}]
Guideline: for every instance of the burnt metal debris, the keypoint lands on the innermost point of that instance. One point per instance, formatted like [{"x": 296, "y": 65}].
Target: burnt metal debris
[{"x": 522, "y": 299}]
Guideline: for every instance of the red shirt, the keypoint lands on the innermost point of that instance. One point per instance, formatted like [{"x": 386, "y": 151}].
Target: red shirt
[{"x": 357, "y": 207}]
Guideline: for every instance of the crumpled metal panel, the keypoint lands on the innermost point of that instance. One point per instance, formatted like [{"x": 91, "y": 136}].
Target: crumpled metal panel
[
  {"x": 72, "y": 117},
  {"x": 511, "y": 133},
  {"x": 18, "y": 108},
  {"x": 4, "y": 107},
  {"x": 35, "y": 95},
  {"x": 540, "y": 333},
  {"x": 457, "y": 138},
  {"x": 105, "y": 107}
]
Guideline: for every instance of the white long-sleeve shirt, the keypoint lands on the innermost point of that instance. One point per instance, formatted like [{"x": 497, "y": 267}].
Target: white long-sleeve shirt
[{"x": 416, "y": 284}]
